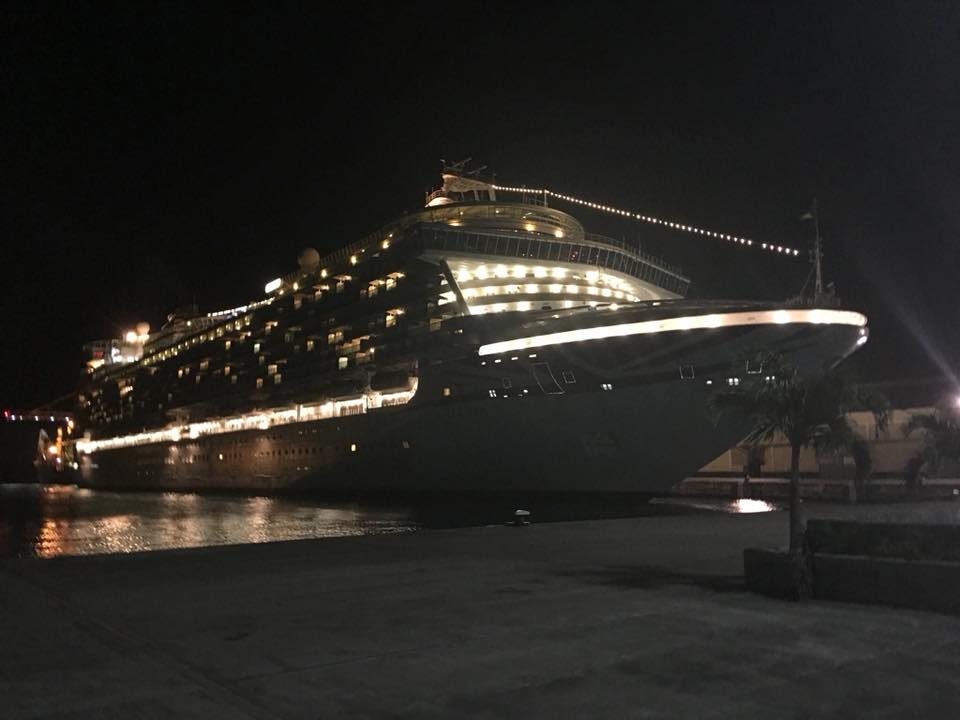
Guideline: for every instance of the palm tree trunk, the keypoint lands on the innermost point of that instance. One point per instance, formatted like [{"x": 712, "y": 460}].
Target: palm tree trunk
[{"x": 796, "y": 518}]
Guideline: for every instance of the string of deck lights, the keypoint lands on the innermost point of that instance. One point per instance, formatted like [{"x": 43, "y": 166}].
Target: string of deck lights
[{"x": 736, "y": 239}]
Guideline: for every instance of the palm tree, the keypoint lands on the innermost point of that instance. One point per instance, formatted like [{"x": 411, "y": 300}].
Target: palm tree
[
  {"x": 806, "y": 409},
  {"x": 941, "y": 441},
  {"x": 847, "y": 443}
]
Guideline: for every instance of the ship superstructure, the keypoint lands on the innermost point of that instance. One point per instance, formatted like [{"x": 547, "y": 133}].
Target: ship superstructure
[{"x": 479, "y": 344}]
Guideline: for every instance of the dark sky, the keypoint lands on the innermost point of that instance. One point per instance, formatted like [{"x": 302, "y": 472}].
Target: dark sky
[{"x": 153, "y": 153}]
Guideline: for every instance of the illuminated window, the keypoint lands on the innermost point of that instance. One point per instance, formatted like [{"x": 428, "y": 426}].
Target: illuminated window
[
  {"x": 233, "y": 379},
  {"x": 342, "y": 363},
  {"x": 493, "y": 393},
  {"x": 204, "y": 364},
  {"x": 259, "y": 383},
  {"x": 733, "y": 381},
  {"x": 391, "y": 283},
  {"x": 277, "y": 379},
  {"x": 390, "y": 320},
  {"x": 226, "y": 345},
  {"x": 686, "y": 372},
  {"x": 435, "y": 324},
  {"x": 754, "y": 367},
  {"x": 309, "y": 345},
  {"x": 226, "y": 369},
  {"x": 256, "y": 347},
  {"x": 446, "y": 392},
  {"x": 271, "y": 369},
  {"x": 353, "y": 447},
  {"x": 606, "y": 386}
]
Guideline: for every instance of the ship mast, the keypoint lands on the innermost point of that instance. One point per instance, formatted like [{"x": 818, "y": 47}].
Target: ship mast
[
  {"x": 817, "y": 255},
  {"x": 818, "y": 295}
]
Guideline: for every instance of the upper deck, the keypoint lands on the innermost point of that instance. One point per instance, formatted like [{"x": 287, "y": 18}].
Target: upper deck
[
  {"x": 469, "y": 235},
  {"x": 375, "y": 303}
]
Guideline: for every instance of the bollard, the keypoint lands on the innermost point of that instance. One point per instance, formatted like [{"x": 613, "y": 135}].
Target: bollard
[{"x": 520, "y": 517}]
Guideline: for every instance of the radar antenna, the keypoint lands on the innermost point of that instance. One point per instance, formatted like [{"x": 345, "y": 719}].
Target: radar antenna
[
  {"x": 461, "y": 184},
  {"x": 460, "y": 168}
]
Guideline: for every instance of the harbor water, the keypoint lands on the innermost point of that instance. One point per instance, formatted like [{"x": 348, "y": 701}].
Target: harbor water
[{"x": 56, "y": 520}]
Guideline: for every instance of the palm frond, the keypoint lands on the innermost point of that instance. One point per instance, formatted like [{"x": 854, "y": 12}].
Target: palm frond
[
  {"x": 928, "y": 422},
  {"x": 807, "y": 410}
]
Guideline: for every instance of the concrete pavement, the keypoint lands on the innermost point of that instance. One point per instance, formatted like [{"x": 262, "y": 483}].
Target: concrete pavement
[{"x": 637, "y": 618}]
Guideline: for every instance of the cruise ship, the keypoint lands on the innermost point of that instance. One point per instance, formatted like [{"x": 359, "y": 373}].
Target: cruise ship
[{"x": 487, "y": 343}]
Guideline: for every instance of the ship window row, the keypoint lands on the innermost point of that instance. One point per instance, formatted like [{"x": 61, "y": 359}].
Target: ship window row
[
  {"x": 208, "y": 457},
  {"x": 214, "y": 334},
  {"x": 532, "y": 289},
  {"x": 612, "y": 259},
  {"x": 351, "y": 353},
  {"x": 333, "y": 338},
  {"x": 313, "y": 450}
]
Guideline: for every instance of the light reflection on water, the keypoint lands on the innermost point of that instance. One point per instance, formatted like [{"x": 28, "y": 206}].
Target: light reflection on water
[
  {"x": 49, "y": 521},
  {"x": 737, "y": 506},
  {"x": 747, "y": 505}
]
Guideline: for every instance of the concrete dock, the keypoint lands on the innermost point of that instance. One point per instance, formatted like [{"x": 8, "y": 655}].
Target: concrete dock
[{"x": 636, "y": 618}]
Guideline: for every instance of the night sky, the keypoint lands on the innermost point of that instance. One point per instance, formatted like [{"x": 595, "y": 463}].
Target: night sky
[{"x": 154, "y": 154}]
